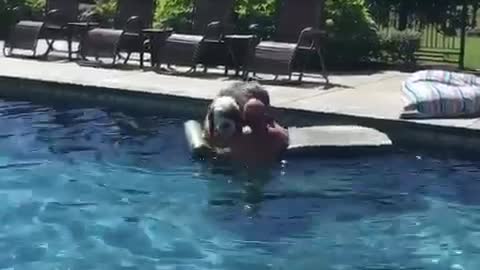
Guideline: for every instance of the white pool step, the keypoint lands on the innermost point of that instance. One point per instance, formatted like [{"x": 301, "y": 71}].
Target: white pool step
[{"x": 316, "y": 139}]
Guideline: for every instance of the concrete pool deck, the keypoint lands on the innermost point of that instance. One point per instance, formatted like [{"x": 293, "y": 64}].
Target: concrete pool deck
[{"x": 367, "y": 97}]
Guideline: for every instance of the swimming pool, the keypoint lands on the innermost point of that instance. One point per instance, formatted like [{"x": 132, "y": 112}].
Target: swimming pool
[{"x": 89, "y": 188}]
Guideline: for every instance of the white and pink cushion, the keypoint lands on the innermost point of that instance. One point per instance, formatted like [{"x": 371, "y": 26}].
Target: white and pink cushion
[{"x": 441, "y": 94}]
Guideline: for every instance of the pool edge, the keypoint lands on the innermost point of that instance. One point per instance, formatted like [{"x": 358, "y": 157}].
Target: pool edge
[{"x": 402, "y": 133}]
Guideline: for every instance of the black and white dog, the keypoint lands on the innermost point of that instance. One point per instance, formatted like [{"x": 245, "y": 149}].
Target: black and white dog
[{"x": 224, "y": 117}]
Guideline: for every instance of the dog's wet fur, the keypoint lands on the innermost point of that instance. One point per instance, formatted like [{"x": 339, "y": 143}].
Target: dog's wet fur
[
  {"x": 244, "y": 91},
  {"x": 241, "y": 93}
]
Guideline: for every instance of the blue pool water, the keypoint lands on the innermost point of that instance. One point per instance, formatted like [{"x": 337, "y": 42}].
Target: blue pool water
[{"x": 86, "y": 188}]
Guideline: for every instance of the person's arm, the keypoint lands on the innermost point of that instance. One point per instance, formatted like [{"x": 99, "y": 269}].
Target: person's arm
[{"x": 281, "y": 139}]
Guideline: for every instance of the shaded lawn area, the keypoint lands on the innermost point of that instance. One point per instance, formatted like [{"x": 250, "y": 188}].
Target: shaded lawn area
[{"x": 472, "y": 53}]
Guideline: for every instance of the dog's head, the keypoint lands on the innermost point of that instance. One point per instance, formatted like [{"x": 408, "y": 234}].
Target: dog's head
[{"x": 224, "y": 118}]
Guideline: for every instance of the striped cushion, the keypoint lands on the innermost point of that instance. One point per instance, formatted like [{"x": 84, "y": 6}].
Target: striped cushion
[{"x": 437, "y": 93}]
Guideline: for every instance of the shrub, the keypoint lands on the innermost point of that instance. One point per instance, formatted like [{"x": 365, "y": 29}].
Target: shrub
[
  {"x": 35, "y": 7},
  {"x": 258, "y": 12},
  {"x": 400, "y": 46},
  {"x": 34, "y": 10},
  {"x": 176, "y": 14},
  {"x": 8, "y": 16},
  {"x": 104, "y": 11},
  {"x": 353, "y": 36},
  {"x": 353, "y": 40}
]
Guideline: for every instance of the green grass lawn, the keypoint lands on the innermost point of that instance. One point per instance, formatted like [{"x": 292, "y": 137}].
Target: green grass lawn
[
  {"x": 430, "y": 39},
  {"x": 472, "y": 53}
]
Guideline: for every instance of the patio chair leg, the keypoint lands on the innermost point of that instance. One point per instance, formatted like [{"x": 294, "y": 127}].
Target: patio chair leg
[
  {"x": 324, "y": 69},
  {"x": 141, "y": 60},
  {"x": 127, "y": 58},
  {"x": 5, "y": 53},
  {"x": 275, "y": 78},
  {"x": 245, "y": 75},
  {"x": 49, "y": 47},
  {"x": 300, "y": 77},
  {"x": 205, "y": 69}
]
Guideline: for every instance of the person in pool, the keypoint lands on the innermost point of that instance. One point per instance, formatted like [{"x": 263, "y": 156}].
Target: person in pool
[{"x": 266, "y": 142}]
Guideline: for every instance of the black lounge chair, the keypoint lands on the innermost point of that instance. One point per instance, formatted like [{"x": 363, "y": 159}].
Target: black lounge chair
[
  {"x": 25, "y": 34},
  {"x": 208, "y": 11},
  {"x": 126, "y": 36},
  {"x": 211, "y": 19},
  {"x": 298, "y": 38}
]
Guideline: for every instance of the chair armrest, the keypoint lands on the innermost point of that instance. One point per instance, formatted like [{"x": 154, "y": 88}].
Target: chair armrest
[
  {"x": 134, "y": 24},
  {"x": 56, "y": 17},
  {"x": 254, "y": 29},
  {"x": 89, "y": 17},
  {"x": 214, "y": 31},
  {"x": 260, "y": 31},
  {"x": 311, "y": 37}
]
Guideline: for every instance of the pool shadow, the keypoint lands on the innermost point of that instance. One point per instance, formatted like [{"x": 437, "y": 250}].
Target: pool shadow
[
  {"x": 305, "y": 84},
  {"x": 107, "y": 65},
  {"x": 199, "y": 73}
]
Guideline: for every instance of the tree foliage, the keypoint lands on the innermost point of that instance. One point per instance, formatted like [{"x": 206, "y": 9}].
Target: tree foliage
[{"x": 174, "y": 13}]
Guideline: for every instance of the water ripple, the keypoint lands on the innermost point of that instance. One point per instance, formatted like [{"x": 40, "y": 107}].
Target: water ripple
[
  {"x": 91, "y": 188},
  {"x": 20, "y": 165}
]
